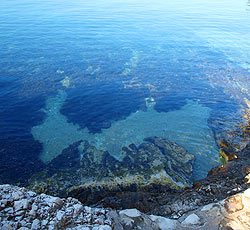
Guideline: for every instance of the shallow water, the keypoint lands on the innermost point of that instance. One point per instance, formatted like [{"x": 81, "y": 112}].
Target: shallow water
[
  {"x": 72, "y": 70},
  {"x": 186, "y": 126}
]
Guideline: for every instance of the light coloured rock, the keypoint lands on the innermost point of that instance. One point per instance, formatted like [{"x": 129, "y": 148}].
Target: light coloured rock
[
  {"x": 31, "y": 194},
  {"x": 36, "y": 224},
  {"x": 234, "y": 204},
  {"x": 21, "y": 204},
  {"x": 77, "y": 209},
  {"x": 102, "y": 227},
  {"x": 33, "y": 210},
  {"x": 17, "y": 195},
  {"x": 192, "y": 219},
  {"x": 164, "y": 223},
  {"x": 133, "y": 213},
  {"x": 9, "y": 210},
  {"x": 246, "y": 198},
  {"x": 3, "y": 203},
  {"x": 6, "y": 227},
  {"x": 44, "y": 222},
  {"x": 247, "y": 193},
  {"x": 47, "y": 212},
  {"x": 80, "y": 228},
  {"x": 42, "y": 211},
  {"x": 207, "y": 207},
  {"x": 59, "y": 215},
  {"x": 127, "y": 222}
]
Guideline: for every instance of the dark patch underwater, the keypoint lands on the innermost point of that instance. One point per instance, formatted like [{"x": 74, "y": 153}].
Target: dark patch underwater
[
  {"x": 95, "y": 106},
  {"x": 18, "y": 149}
]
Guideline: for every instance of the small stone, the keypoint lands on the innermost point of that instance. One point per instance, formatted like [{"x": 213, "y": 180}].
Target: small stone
[
  {"x": 20, "y": 213},
  {"x": 102, "y": 227},
  {"x": 87, "y": 209},
  {"x": 163, "y": 223},
  {"x": 6, "y": 227},
  {"x": 9, "y": 210},
  {"x": 17, "y": 195},
  {"x": 21, "y": 204},
  {"x": 60, "y": 215},
  {"x": 51, "y": 227},
  {"x": 32, "y": 194},
  {"x": 33, "y": 210},
  {"x": 44, "y": 222},
  {"x": 3, "y": 203},
  {"x": 19, "y": 218},
  {"x": 77, "y": 209},
  {"x": 130, "y": 213},
  {"x": 81, "y": 227},
  {"x": 192, "y": 220},
  {"x": 35, "y": 224},
  {"x": 207, "y": 207}
]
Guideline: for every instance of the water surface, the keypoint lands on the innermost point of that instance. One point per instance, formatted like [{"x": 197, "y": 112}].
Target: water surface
[{"x": 115, "y": 72}]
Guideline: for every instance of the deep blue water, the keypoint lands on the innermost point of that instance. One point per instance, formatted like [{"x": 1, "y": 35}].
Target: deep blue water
[{"x": 108, "y": 56}]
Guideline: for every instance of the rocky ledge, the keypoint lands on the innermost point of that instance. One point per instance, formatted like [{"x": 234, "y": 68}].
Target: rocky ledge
[
  {"x": 90, "y": 174},
  {"x": 151, "y": 178},
  {"x": 23, "y": 209}
]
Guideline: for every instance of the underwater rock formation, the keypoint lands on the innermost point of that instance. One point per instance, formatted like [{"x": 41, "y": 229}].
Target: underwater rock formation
[
  {"x": 90, "y": 174},
  {"x": 221, "y": 182},
  {"x": 187, "y": 127}
]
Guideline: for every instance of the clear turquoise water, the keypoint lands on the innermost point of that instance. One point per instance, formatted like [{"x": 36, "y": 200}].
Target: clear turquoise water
[{"x": 107, "y": 58}]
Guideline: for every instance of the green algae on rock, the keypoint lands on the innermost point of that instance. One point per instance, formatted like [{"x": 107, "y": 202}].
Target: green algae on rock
[{"x": 87, "y": 173}]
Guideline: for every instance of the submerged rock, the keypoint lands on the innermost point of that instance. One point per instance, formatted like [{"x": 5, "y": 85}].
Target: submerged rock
[
  {"x": 89, "y": 174},
  {"x": 220, "y": 183}
]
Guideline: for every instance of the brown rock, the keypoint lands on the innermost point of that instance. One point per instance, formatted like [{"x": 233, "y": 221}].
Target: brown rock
[
  {"x": 228, "y": 224},
  {"x": 234, "y": 204}
]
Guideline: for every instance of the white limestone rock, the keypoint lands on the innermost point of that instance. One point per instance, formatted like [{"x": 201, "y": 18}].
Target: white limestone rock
[
  {"x": 192, "y": 219},
  {"x": 21, "y": 204},
  {"x": 133, "y": 213},
  {"x": 36, "y": 224},
  {"x": 164, "y": 223},
  {"x": 31, "y": 211}
]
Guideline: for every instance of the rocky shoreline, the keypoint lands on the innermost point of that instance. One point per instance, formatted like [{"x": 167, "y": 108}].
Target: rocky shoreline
[
  {"x": 139, "y": 202},
  {"x": 159, "y": 185},
  {"x": 23, "y": 209},
  {"x": 221, "y": 182}
]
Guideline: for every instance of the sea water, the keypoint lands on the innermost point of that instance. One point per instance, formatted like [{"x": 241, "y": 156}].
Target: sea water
[{"x": 116, "y": 72}]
